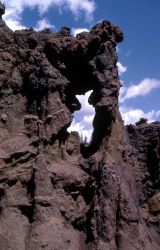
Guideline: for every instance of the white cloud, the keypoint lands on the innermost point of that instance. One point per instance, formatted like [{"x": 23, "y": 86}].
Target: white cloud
[
  {"x": 158, "y": 114},
  {"x": 85, "y": 6},
  {"x": 86, "y": 109},
  {"x": 76, "y": 126},
  {"x": 121, "y": 68},
  {"x": 42, "y": 24},
  {"x": 13, "y": 19},
  {"x": 87, "y": 133},
  {"x": 15, "y": 9},
  {"x": 76, "y": 31},
  {"x": 117, "y": 49},
  {"x": 131, "y": 115},
  {"x": 88, "y": 119},
  {"x": 141, "y": 89},
  {"x": 80, "y": 128},
  {"x": 85, "y": 115}
]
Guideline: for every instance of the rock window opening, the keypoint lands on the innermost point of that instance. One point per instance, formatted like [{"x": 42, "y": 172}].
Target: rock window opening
[{"x": 83, "y": 119}]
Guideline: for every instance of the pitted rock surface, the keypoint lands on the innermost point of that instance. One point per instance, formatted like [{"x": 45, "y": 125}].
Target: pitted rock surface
[{"x": 55, "y": 193}]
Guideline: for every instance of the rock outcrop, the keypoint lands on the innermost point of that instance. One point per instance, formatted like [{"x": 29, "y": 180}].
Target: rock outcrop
[{"x": 55, "y": 194}]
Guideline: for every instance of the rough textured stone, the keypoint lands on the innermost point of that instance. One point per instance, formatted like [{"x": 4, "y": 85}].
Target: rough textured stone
[{"x": 56, "y": 193}]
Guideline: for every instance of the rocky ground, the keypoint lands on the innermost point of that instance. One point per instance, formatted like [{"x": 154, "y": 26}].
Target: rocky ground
[{"x": 56, "y": 194}]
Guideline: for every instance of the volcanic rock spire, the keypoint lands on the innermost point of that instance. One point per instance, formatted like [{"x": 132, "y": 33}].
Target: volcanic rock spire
[{"x": 55, "y": 193}]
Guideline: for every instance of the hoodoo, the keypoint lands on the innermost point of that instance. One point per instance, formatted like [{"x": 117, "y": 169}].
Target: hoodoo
[{"x": 54, "y": 194}]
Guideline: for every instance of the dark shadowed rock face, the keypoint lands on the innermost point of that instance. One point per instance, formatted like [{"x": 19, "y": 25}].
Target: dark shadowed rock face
[{"x": 53, "y": 195}]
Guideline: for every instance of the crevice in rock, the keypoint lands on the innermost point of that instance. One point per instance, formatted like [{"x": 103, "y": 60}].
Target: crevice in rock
[
  {"x": 89, "y": 227},
  {"x": 12, "y": 182},
  {"x": 19, "y": 157},
  {"x": 1, "y": 195},
  {"x": 36, "y": 94},
  {"x": 29, "y": 211},
  {"x": 89, "y": 191},
  {"x": 153, "y": 160},
  {"x": 84, "y": 224},
  {"x": 91, "y": 194},
  {"x": 118, "y": 217},
  {"x": 80, "y": 223},
  {"x": 73, "y": 190},
  {"x": 61, "y": 136},
  {"x": 31, "y": 185}
]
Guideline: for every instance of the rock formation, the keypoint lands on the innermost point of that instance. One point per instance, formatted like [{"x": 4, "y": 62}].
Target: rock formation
[{"x": 54, "y": 194}]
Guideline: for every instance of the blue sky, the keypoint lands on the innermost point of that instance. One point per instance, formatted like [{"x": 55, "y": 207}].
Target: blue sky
[{"x": 139, "y": 54}]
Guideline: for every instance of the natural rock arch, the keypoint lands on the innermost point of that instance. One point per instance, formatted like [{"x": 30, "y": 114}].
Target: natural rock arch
[{"x": 51, "y": 195}]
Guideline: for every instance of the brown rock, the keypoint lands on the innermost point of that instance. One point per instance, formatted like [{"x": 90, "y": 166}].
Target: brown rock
[
  {"x": 55, "y": 192},
  {"x": 154, "y": 203}
]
